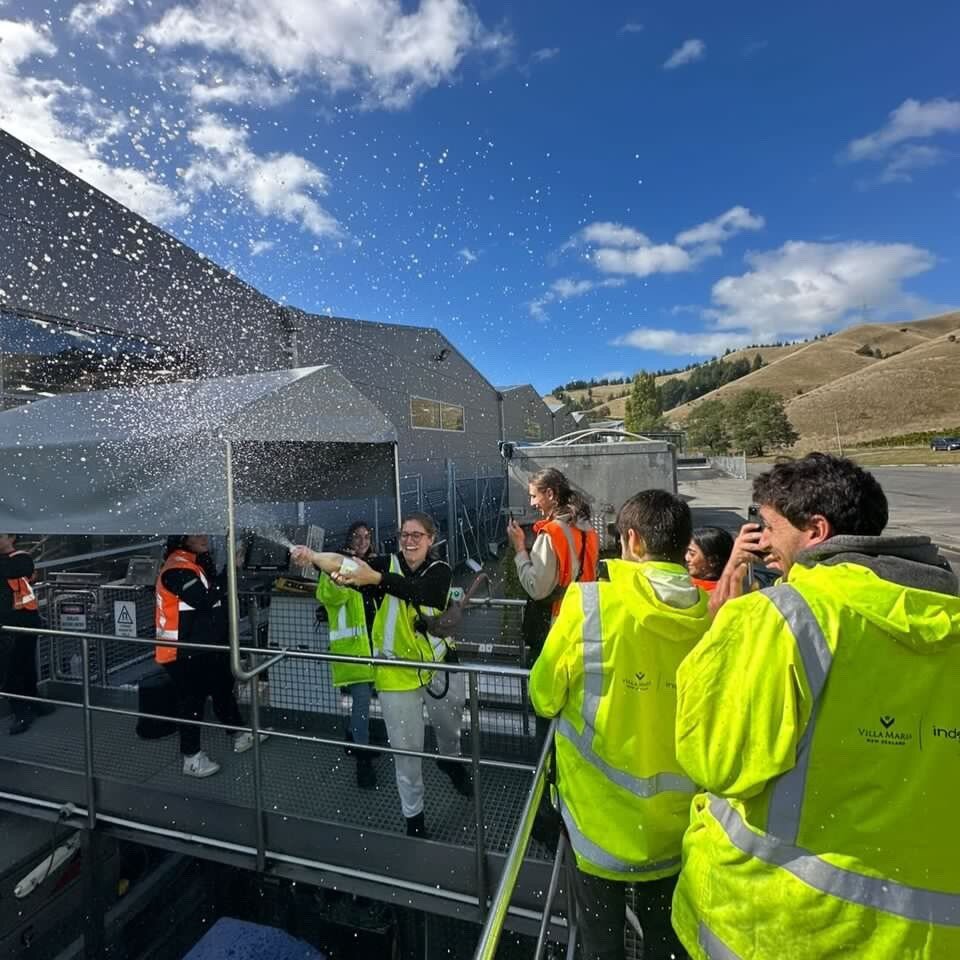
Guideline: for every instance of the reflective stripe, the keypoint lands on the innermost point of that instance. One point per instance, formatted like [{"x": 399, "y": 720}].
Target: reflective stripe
[
  {"x": 716, "y": 949},
  {"x": 168, "y": 635},
  {"x": 787, "y": 791},
  {"x": 875, "y": 893},
  {"x": 344, "y": 634},
  {"x": 592, "y": 695},
  {"x": 574, "y": 558},
  {"x": 597, "y": 855},
  {"x": 640, "y": 786},
  {"x": 592, "y": 654}
]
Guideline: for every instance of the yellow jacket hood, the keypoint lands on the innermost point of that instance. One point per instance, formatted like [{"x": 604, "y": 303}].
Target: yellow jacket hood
[{"x": 899, "y": 584}]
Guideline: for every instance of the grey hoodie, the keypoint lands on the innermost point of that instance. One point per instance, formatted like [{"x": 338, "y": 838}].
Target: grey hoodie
[{"x": 911, "y": 561}]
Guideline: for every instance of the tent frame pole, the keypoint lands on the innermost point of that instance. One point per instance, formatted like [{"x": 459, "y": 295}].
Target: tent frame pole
[
  {"x": 396, "y": 488},
  {"x": 233, "y": 603}
]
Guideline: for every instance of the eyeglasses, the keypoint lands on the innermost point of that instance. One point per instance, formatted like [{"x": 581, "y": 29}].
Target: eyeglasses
[{"x": 412, "y": 535}]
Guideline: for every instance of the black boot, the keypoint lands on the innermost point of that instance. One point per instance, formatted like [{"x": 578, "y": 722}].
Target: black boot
[
  {"x": 417, "y": 828},
  {"x": 366, "y": 775},
  {"x": 21, "y": 724},
  {"x": 458, "y": 775}
]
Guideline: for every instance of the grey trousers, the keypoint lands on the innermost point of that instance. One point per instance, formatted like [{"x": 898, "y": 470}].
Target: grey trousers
[{"x": 403, "y": 716}]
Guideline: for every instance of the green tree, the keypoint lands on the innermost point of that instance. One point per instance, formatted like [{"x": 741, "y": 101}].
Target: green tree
[
  {"x": 758, "y": 422},
  {"x": 708, "y": 428},
  {"x": 644, "y": 406},
  {"x": 757, "y": 362},
  {"x": 673, "y": 393}
]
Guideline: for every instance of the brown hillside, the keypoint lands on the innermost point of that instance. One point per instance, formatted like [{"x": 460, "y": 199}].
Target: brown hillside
[
  {"x": 602, "y": 395},
  {"x": 822, "y": 362},
  {"x": 913, "y": 391}
]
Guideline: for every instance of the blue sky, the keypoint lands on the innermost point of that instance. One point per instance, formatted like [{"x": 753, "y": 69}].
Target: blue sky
[{"x": 566, "y": 190}]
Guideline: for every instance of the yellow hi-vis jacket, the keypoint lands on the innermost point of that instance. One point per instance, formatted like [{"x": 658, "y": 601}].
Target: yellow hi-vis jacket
[
  {"x": 823, "y": 715},
  {"x": 347, "y": 622},
  {"x": 396, "y": 637},
  {"x": 608, "y": 668}
]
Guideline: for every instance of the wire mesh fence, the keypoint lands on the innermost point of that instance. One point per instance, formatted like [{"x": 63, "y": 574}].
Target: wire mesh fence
[{"x": 296, "y": 693}]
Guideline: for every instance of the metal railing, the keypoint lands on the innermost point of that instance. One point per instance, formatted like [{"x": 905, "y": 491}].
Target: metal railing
[
  {"x": 500, "y": 905},
  {"x": 258, "y": 850}
]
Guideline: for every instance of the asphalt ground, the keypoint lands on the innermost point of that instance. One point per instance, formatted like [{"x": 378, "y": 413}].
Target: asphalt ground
[{"x": 924, "y": 500}]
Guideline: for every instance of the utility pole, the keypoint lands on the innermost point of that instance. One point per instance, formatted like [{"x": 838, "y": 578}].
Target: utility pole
[{"x": 836, "y": 421}]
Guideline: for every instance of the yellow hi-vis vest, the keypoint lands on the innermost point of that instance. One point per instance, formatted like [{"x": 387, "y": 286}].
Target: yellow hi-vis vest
[
  {"x": 347, "y": 623},
  {"x": 608, "y": 668},
  {"x": 823, "y": 715},
  {"x": 395, "y": 638}
]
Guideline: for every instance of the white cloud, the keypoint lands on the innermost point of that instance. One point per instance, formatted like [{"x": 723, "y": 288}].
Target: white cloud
[
  {"x": 713, "y": 232},
  {"x": 643, "y": 261},
  {"x": 373, "y": 46},
  {"x": 688, "y": 52},
  {"x": 805, "y": 288},
  {"x": 911, "y": 157},
  {"x": 798, "y": 290},
  {"x": 564, "y": 289},
  {"x": 278, "y": 185},
  {"x": 912, "y": 120},
  {"x": 70, "y": 125},
  {"x": 243, "y": 88},
  {"x": 544, "y": 54},
  {"x": 468, "y": 255},
  {"x": 261, "y": 246},
  {"x": 607, "y": 234},
  {"x": 678, "y": 343},
  {"x": 632, "y": 28},
  {"x": 86, "y": 15},
  {"x": 621, "y": 249}
]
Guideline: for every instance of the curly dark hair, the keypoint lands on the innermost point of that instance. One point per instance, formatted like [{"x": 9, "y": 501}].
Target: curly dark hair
[{"x": 821, "y": 484}]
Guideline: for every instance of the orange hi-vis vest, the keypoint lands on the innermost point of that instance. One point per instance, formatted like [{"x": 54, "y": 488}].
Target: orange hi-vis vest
[
  {"x": 169, "y": 605},
  {"x": 23, "y": 596},
  {"x": 577, "y": 552}
]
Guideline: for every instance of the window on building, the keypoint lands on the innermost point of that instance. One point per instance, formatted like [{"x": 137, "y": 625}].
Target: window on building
[
  {"x": 451, "y": 417},
  {"x": 426, "y": 414}
]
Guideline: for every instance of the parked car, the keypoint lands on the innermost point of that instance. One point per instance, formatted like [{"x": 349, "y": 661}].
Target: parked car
[{"x": 945, "y": 443}]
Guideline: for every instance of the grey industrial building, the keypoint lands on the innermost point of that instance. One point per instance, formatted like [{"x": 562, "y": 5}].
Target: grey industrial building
[{"x": 76, "y": 257}]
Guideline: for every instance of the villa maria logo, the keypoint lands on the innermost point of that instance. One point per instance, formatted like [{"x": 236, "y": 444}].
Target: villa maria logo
[
  {"x": 637, "y": 682},
  {"x": 886, "y": 734}
]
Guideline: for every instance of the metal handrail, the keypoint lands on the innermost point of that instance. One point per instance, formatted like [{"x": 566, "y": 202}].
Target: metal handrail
[
  {"x": 441, "y": 665},
  {"x": 260, "y": 851},
  {"x": 493, "y": 927}
]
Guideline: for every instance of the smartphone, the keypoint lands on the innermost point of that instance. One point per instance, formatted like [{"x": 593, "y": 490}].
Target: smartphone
[{"x": 753, "y": 516}]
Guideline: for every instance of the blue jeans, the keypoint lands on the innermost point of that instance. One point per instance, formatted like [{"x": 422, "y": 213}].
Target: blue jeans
[{"x": 360, "y": 694}]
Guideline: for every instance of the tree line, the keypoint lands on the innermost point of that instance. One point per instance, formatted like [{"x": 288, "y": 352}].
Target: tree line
[{"x": 754, "y": 421}]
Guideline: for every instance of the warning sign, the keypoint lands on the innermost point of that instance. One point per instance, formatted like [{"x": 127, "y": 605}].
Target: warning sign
[
  {"x": 73, "y": 616},
  {"x": 125, "y": 618}
]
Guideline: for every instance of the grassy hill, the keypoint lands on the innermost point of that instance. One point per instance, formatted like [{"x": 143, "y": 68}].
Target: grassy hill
[
  {"x": 617, "y": 406},
  {"x": 914, "y": 386},
  {"x": 916, "y": 390}
]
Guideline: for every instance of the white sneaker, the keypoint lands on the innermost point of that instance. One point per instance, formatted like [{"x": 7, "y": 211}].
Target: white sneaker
[
  {"x": 200, "y": 765},
  {"x": 243, "y": 741}
]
